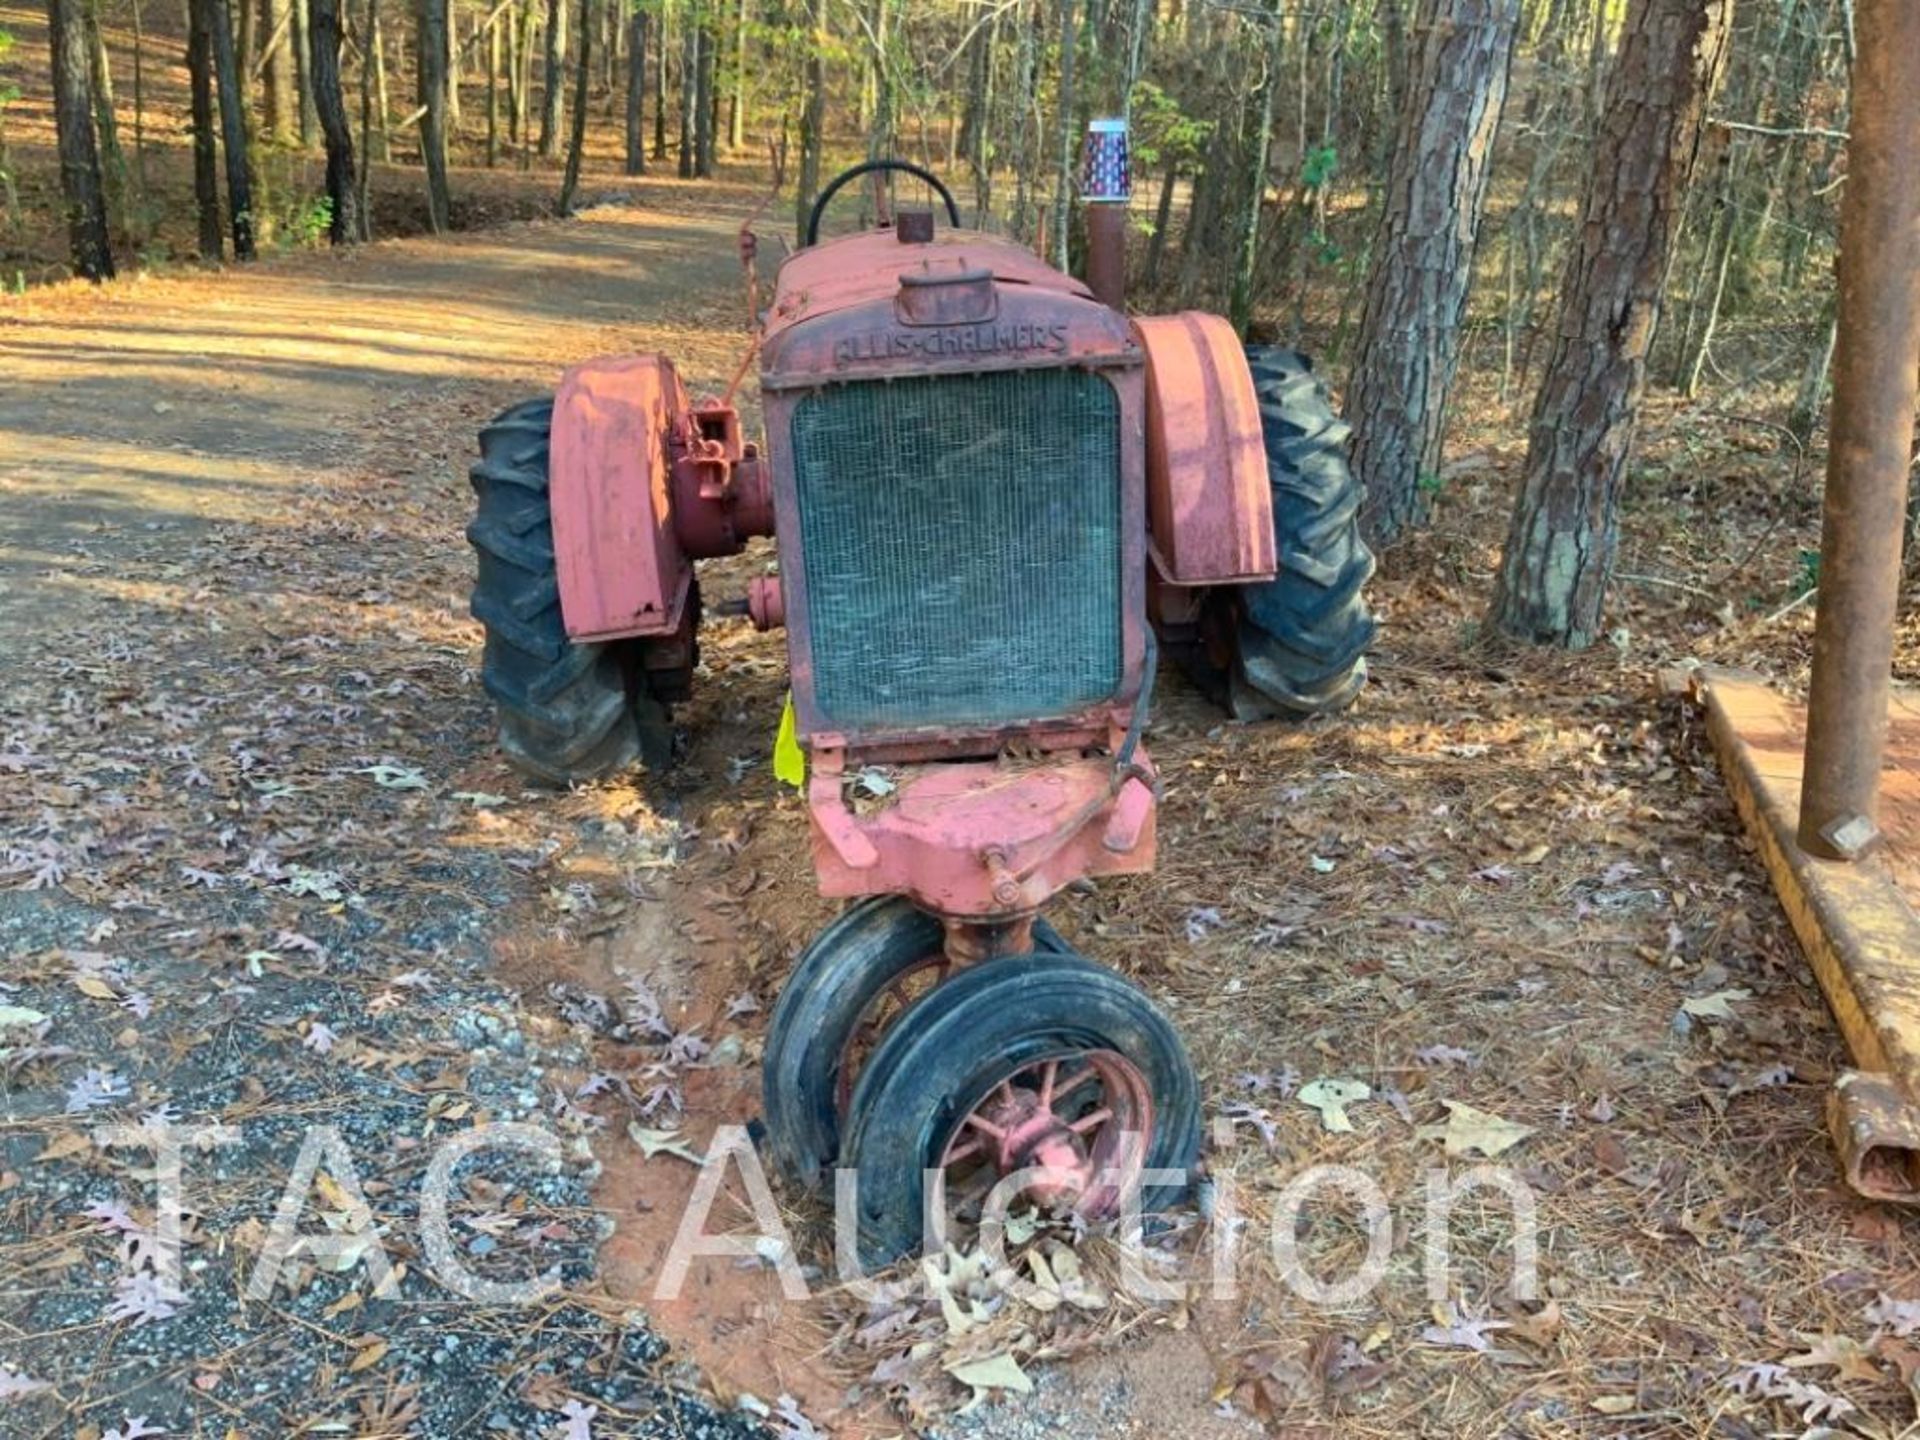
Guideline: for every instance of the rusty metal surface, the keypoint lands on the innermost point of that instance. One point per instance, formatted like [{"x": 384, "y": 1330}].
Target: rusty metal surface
[
  {"x": 1859, "y": 931},
  {"x": 984, "y": 839},
  {"x": 621, "y": 567},
  {"x": 1107, "y": 254},
  {"x": 1876, "y": 1128},
  {"x": 642, "y": 481},
  {"x": 1875, "y": 367},
  {"x": 1210, "y": 506},
  {"x": 858, "y": 269}
]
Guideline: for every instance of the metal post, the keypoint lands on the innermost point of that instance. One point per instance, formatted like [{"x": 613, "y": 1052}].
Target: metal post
[{"x": 1875, "y": 368}]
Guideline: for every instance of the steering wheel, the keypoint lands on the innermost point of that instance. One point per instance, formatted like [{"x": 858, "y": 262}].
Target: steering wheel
[{"x": 867, "y": 167}]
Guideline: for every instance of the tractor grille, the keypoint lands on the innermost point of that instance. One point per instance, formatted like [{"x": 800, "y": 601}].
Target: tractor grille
[{"x": 961, "y": 537}]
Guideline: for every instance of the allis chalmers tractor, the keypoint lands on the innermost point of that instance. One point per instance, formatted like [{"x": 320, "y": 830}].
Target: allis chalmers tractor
[{"x": 990, "y": 493}]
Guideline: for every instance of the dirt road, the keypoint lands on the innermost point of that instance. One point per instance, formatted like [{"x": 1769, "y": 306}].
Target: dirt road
[{"x": 260, "y": 865}]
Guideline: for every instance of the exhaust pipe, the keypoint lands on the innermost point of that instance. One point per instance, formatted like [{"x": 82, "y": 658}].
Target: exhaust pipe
[{"x": 1106, "y": 185}]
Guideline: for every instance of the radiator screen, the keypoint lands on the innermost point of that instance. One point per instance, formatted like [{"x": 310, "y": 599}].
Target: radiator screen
[{"x": 961, "y": 536}]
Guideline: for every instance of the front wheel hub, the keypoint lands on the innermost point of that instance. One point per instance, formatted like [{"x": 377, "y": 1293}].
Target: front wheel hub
[{"x": 1081, "y": 1123}]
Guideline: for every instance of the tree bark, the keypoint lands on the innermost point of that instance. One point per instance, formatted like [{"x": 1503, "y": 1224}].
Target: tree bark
[
  {"x": 1063, "y": 175},
  {"x": 813, "y": 115},
  {"x": 432, "y": 49},
  {"x": 493, "y": 92},
  {"x": 1253, "y": 199},
  {"x": 369, "y": 60},
  {"x": 552, "y": 97},
  {"x": 637, "y": 92},
  {"x": 282, "y": 96},
  {"x": 1416, "y": 301},
  {"x": 660, "y": 89},
  {"x": 737, "y": 84},
  {"x": 80, "y": 186},
  {"x": 689, "y": 93},
  {"x": 206, "y": 159},
  {"x": 233, "y": 129},
  {"x": 577, "y": 142},
  {"x": 1552, "y": 582},
  {"x": 331, "y": 107},
  {"x": 706, "y": 119},
  {"x": 303, "y": 60}
]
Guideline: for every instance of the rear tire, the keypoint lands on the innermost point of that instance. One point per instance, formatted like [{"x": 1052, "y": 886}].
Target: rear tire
[
  {"x": 1296, "y": 645},
  {"x": 568, "y": 712}
]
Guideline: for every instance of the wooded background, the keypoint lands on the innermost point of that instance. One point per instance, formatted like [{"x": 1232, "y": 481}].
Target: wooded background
[{"x": 1579, "y": 196}]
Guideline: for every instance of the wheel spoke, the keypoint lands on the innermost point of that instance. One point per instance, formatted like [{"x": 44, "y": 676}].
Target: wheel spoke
[
  {"x": 1047, "y": 1077},
  {"x": 1092, "y": 1118},
  {"x": 966, "y": 1150},
  {"x": 1079, "y": 1078},
  {"x": 980, "y": 1123}
]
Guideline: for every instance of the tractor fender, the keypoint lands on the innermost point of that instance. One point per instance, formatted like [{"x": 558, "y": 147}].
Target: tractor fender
[
  {"x": 621, "y": 567},
  {"x": 1209, "y": 504}
]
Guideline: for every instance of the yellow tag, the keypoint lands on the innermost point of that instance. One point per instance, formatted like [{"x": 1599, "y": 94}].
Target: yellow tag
[{"x": 789, "y": 761}]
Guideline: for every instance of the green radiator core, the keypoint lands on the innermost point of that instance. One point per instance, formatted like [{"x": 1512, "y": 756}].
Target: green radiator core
[{"x": 961, "y": 536}]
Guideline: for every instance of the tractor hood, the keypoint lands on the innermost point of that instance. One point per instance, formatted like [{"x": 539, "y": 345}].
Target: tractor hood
[{"x": 872, "y": 304}]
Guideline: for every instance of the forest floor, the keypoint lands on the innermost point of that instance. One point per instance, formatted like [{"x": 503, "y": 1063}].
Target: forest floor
[{"x": 259, "y": 863}]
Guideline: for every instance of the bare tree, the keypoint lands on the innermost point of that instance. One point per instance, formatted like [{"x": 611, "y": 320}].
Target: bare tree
[
  {"x": 552, "y": 97},
  {"x": 1552, "y": 582},
  {"x": 344, "y": 195},
  {"x": 577, "y": 142},
  {"x": 1423, "y": 257},
  {"x": 432, "y": 47},
  {"x": 206, "y": 159},
  {"x": 233, "y": 129},
  {"x": 282, "y": 88},
  {"x": 637, "y": 92},
  {"x": 813, "y": 116},
  {"x": 80, "y": 186}
]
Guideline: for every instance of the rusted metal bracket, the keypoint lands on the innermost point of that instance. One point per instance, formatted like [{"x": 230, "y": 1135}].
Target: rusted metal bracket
[{"x": 1858, "y": 931}]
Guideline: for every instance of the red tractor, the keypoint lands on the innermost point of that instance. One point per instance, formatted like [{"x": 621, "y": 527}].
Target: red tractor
[{"x": 990, "y": 491}]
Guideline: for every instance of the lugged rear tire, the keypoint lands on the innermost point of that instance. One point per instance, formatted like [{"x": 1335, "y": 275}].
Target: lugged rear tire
[
  {"x": 1299, "y": 641},
  {"x": 568, "y": 712}
]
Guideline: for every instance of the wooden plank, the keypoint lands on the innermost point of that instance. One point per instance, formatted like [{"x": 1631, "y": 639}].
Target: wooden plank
[{"x": 1859, "y": 933}]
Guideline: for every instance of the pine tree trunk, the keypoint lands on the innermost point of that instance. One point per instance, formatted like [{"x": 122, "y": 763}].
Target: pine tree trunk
[
  {"x": 282, "y": 89},
  {"x": 706, "y": 119},
  {"x": 432, "y": 49},
  {"x": 689, "y": 93},
  {"x": 331, "y": 109},
  {"x": 206, "y": 159},
  {"x": 1552, "y": 582},
  {"x": 553, "y": 96},
  {"x": 1254, "y": 194},
  {"x": 233, "y": 129},
  {"x": 660, "y": 89},
  {"x": 637, "y": 92},
  {"x": 80, "y": 184},
  {"x": 577, "y": 143},
  {"x": 493, "y": 92},
  {"x": 380, "y": 99},
  {"x": 737, "y": 88},
  {"x": 1416, "y": 302},
  {"x": 369, "y": 60},
  {"x": 1063, "y": 172},
  {"x": 303, "y": 59},
  {"x": 813, "y": 115}
]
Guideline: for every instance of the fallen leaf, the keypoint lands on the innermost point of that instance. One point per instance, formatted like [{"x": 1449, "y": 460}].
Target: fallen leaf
[
  {"x": 1468, "y": 1130},
  {"x": 663, "y": 1142},
  {"x": 1717, "y": 1006},
  {"x": 997, "y": 1372},
  {"x": 367, "y": 1356},
  {"x": 1331, "y": 1098}
]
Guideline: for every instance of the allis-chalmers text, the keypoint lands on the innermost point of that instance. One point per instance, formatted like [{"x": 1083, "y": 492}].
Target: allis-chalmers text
[{"x": 950, "y": 340}]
